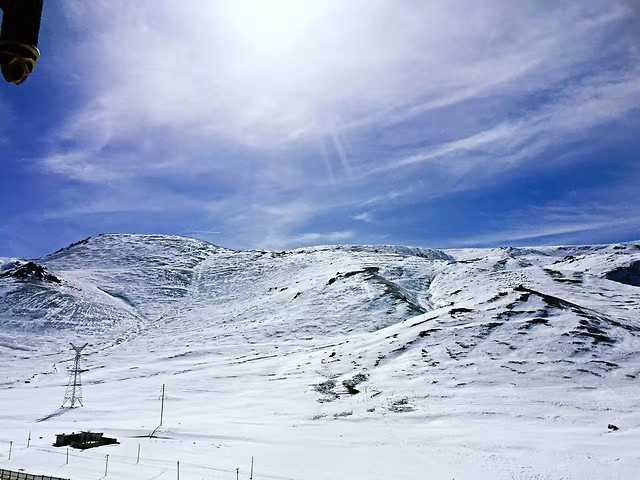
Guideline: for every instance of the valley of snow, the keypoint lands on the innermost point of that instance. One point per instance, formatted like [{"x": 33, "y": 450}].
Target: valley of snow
[{"x": 332, "y": 362}]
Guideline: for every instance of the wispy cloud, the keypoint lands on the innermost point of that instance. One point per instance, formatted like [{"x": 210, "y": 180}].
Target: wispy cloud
[
  {"x": 366, "y": 217},
  {"x": 314, "y": 238},
  {"x": 373, "y": 63},
  {"x": 599, "y": 211},
  {"x": 544, "y": 232},
  {"x": 568, "y": 118},
  {"x": 327, "y": 108}
]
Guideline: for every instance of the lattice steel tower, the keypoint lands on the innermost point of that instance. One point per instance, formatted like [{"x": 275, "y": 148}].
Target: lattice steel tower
[{"x": 73, "y": 394}]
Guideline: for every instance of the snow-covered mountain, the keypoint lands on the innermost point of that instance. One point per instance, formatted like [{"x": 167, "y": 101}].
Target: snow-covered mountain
[{"x": 376, "y": 341}]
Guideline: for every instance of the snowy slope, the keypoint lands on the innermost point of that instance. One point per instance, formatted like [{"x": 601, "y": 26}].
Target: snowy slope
[{"x": 476, "y": 363}]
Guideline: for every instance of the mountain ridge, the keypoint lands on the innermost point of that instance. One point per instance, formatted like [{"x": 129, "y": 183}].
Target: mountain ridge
[{"x": 115, "y": 281}]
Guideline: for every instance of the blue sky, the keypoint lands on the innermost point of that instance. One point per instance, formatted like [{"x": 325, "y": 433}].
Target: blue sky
[{"x": 280, "y": 124}]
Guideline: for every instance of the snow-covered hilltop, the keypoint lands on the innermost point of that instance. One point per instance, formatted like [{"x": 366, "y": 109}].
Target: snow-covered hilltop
[{"x": 383, "y": 335}]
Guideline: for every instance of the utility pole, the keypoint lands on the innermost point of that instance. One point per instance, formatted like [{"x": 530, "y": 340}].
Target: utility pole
[
  {"x": 162, "y": 406},
  {"x": 74, "y": 387},
  {"x": 106, "y": 465}
]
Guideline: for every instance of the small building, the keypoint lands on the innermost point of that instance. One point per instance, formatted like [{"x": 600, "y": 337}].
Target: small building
[{"x": 83, "y": 440}]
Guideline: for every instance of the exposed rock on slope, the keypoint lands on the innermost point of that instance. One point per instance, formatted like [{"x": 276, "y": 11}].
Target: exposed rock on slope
[
  {"x": 629, "y": 275},
  {"x": 30, "y": 271}
]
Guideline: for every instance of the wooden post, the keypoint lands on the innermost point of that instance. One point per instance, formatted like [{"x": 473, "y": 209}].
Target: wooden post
[
  {"x": 106, "y": 465},
  {"x": 162, "y": 406},
  {"x": 10, "y": 447},
  {"x": 67, "y": 456},
  {"x": 251, "y": 476},
  {"x": 29, "y": 439},
  {"x": 178, "y": 469},
  {"x": 237, "y": 473},
  {"x": 138, "y": 459}
]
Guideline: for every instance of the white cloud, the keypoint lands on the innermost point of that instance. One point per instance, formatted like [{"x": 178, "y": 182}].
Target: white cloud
[
  {"x": 329, "y": 106},
  {"x": 534, "y": 234},
  {"x": 315, "y": 238},
  {"x": 592, "y": 103},
  {"x": 203, "y": 232},
  {"x": 366, "y": 217},
  {"x": 603, "y": 209},
  {"x": 210, "y": 69}
]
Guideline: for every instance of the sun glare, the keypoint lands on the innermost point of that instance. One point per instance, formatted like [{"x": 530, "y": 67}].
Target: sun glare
[
  {"x": 286, "y": 65},
  {"x": 271, "y": 28}
]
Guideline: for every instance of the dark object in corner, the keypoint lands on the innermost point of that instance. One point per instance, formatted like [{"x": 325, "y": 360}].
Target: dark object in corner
[
  {"x": 19, "y": 38},
  {"x": 611, "y": 426},
  {"x": 83, "y": 440}
]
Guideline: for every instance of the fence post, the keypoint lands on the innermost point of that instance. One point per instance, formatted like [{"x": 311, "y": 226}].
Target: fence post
[
  {"x": 138, "y": 459},
  {"x": 10, "y": 447}
]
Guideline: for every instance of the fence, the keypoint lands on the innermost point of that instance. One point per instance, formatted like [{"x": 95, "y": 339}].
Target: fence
[{"x": 11, "y": 475}]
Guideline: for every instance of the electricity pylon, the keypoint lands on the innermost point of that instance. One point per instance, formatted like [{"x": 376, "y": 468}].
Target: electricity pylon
[{"x": 74, "y": 387}]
